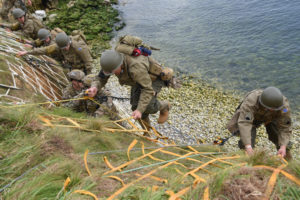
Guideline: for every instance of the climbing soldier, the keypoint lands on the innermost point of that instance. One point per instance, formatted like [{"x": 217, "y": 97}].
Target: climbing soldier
[
  {"x": 133, "y": 71},
  {"x": 74, "y": 91},
  {"x": 101, "y": 103},
  {"x": 8, "y": 4},
  {"x": 28, "y": 24},
  {"x": 45, "y": 38},
  {"x": 268, "y": 107},
  {"x": 75, "y": 52}
]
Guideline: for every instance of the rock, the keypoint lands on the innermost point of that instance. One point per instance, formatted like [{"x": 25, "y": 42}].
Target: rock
[{"x": 52, "y": 17}]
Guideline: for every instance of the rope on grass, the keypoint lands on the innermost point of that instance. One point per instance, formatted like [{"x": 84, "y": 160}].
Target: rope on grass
[
  {"x": 163, "y": 162},
  {"x": 85, "y": 162},
  {"x": 21, "y": 176}
]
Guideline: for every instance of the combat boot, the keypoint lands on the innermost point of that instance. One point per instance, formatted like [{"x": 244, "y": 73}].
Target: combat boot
[{"x": 164, "y": 112}]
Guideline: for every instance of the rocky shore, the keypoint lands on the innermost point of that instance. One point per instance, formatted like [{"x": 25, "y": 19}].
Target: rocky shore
[{"x": 199, "y": 115}]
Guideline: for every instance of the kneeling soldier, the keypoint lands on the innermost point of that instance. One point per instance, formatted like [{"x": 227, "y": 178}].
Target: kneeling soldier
[{"x": 268, "y": 107}]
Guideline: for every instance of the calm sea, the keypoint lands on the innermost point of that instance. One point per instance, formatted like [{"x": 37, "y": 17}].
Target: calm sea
[{"x": 238, "y": 44}]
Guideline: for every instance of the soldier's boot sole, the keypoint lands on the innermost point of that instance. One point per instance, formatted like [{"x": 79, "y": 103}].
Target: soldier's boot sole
[{"x": 164, "y": 112}]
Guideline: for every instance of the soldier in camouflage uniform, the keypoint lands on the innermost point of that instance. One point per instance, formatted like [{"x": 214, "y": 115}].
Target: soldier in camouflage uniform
[
  {"x": 76, "y": 89},
  {"x": 76, "y": 54},
  {"x": 133, "y": 71},
  {"x": 268, "y": 107},
  {"x": 26, "y": 23},
  {"x": 8, "y": 4},
  {"x": 103, "y": 97}
]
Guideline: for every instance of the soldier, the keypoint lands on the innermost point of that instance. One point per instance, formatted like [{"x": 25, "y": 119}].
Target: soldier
[
  {"x": 45, "y": 38},
  {"x": 103, "y": 97},
  {"x": 76, "y": 89},
  {"x": 133, "y": 71},
  {"x": 268, "y": 107},
  {"x": 8, "y": 4},
  {"x": 27, "y": 23},
  {"x": 76, "y": 54}
]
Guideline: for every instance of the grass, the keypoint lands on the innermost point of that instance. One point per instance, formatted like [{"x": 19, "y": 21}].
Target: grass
[{"x": 48, "y": 156}]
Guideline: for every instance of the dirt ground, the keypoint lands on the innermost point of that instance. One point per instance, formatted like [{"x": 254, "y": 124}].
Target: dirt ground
[{"x": 247, "y": 184}]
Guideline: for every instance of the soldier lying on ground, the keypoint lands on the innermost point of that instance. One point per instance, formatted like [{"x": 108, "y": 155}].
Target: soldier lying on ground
[
  {"x": 268, "y": 107},
  {"x": 75, "y": 52},
  {"x": 8, "y": 4},
  {"x": 28, "y": 24},
  {"x": 76, "y": 89},
  {"x": 133, "y": 71}
]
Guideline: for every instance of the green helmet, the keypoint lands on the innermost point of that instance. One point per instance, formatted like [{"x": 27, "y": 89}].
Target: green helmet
[
  {"x": 87, "y": 81},
  {"x": 76, "y": 74},
  {"x": 62, "y": 40},
  {"x": 110, "y": 60},
  {"x": 17, "y": 13},
  {"x": 271, "y": 98},
  {"x": 43, "y": 34}
]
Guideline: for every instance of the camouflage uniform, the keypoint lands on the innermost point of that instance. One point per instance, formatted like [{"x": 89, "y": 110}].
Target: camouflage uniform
[
  {"x": 7, "y": 5},
  {"x": 30, "y": 27},
  {"x": 251, "y": 114},
  {"x": 143, "y": 90},
  {"x": 78, "y": 56},
  {"x": 70, "y": 93},
  {"x": 89, "y": 106}
]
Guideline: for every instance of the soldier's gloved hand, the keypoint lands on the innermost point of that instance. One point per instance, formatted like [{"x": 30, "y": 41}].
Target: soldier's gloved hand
[
  {"x": 22, "y": 53},
  {"x": 282, "y": 151},
  {"x": 136, "y": 114},
  {"x": 92, "y": 91},
  {"x": 136, "y": 52},
  {"x": 145, "y": 51}
]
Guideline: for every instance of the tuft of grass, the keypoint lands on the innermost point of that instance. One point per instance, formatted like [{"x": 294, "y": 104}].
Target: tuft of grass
[
  {"x": 94, "y": 124},
  {"x": 262, "y": 158}
]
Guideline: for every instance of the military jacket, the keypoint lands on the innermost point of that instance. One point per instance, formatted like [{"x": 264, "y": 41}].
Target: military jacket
[
  {"x": 78, "y": 56},
  {"x": 44, "y": 50},
  {"x": 251, "y": 113},
  {"x": 70, "y": 93},
  {"x": 134, "y": 72},
  {"x": 30, "y": 27}
]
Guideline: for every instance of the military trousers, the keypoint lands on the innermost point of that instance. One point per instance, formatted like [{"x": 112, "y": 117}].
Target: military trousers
[
  {"x": 273, "y": 135},
  {"x": 154, "y": 105}
]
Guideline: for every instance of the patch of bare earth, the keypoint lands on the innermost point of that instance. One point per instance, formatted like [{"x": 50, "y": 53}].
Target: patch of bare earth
[
  {"x": 107, "y": 186},
  {"x": 56, "y": 144},
  {"x": 247, "y": 184}
]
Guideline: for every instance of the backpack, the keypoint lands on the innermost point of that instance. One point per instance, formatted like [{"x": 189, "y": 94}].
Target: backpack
[
  {"x": 55, "y": 31},
  {"x": 128, "y": 43},
  {"x": 37, "y": 23}
]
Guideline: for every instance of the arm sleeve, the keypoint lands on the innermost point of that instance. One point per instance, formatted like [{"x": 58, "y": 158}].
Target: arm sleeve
[
  {"x": 101, "y": 81},
  {"x": 284, "y": 126},
  {"x": 139, "y": 74},
  {"x": 86, "y": 57},
  {"x": 14, "y": 27},
  {"x": 44, "y": 50},
  {"x": 245, "y": 121}
]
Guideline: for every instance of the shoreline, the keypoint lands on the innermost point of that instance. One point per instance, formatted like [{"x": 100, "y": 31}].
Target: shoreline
[{"x": 202, "y": 120}]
